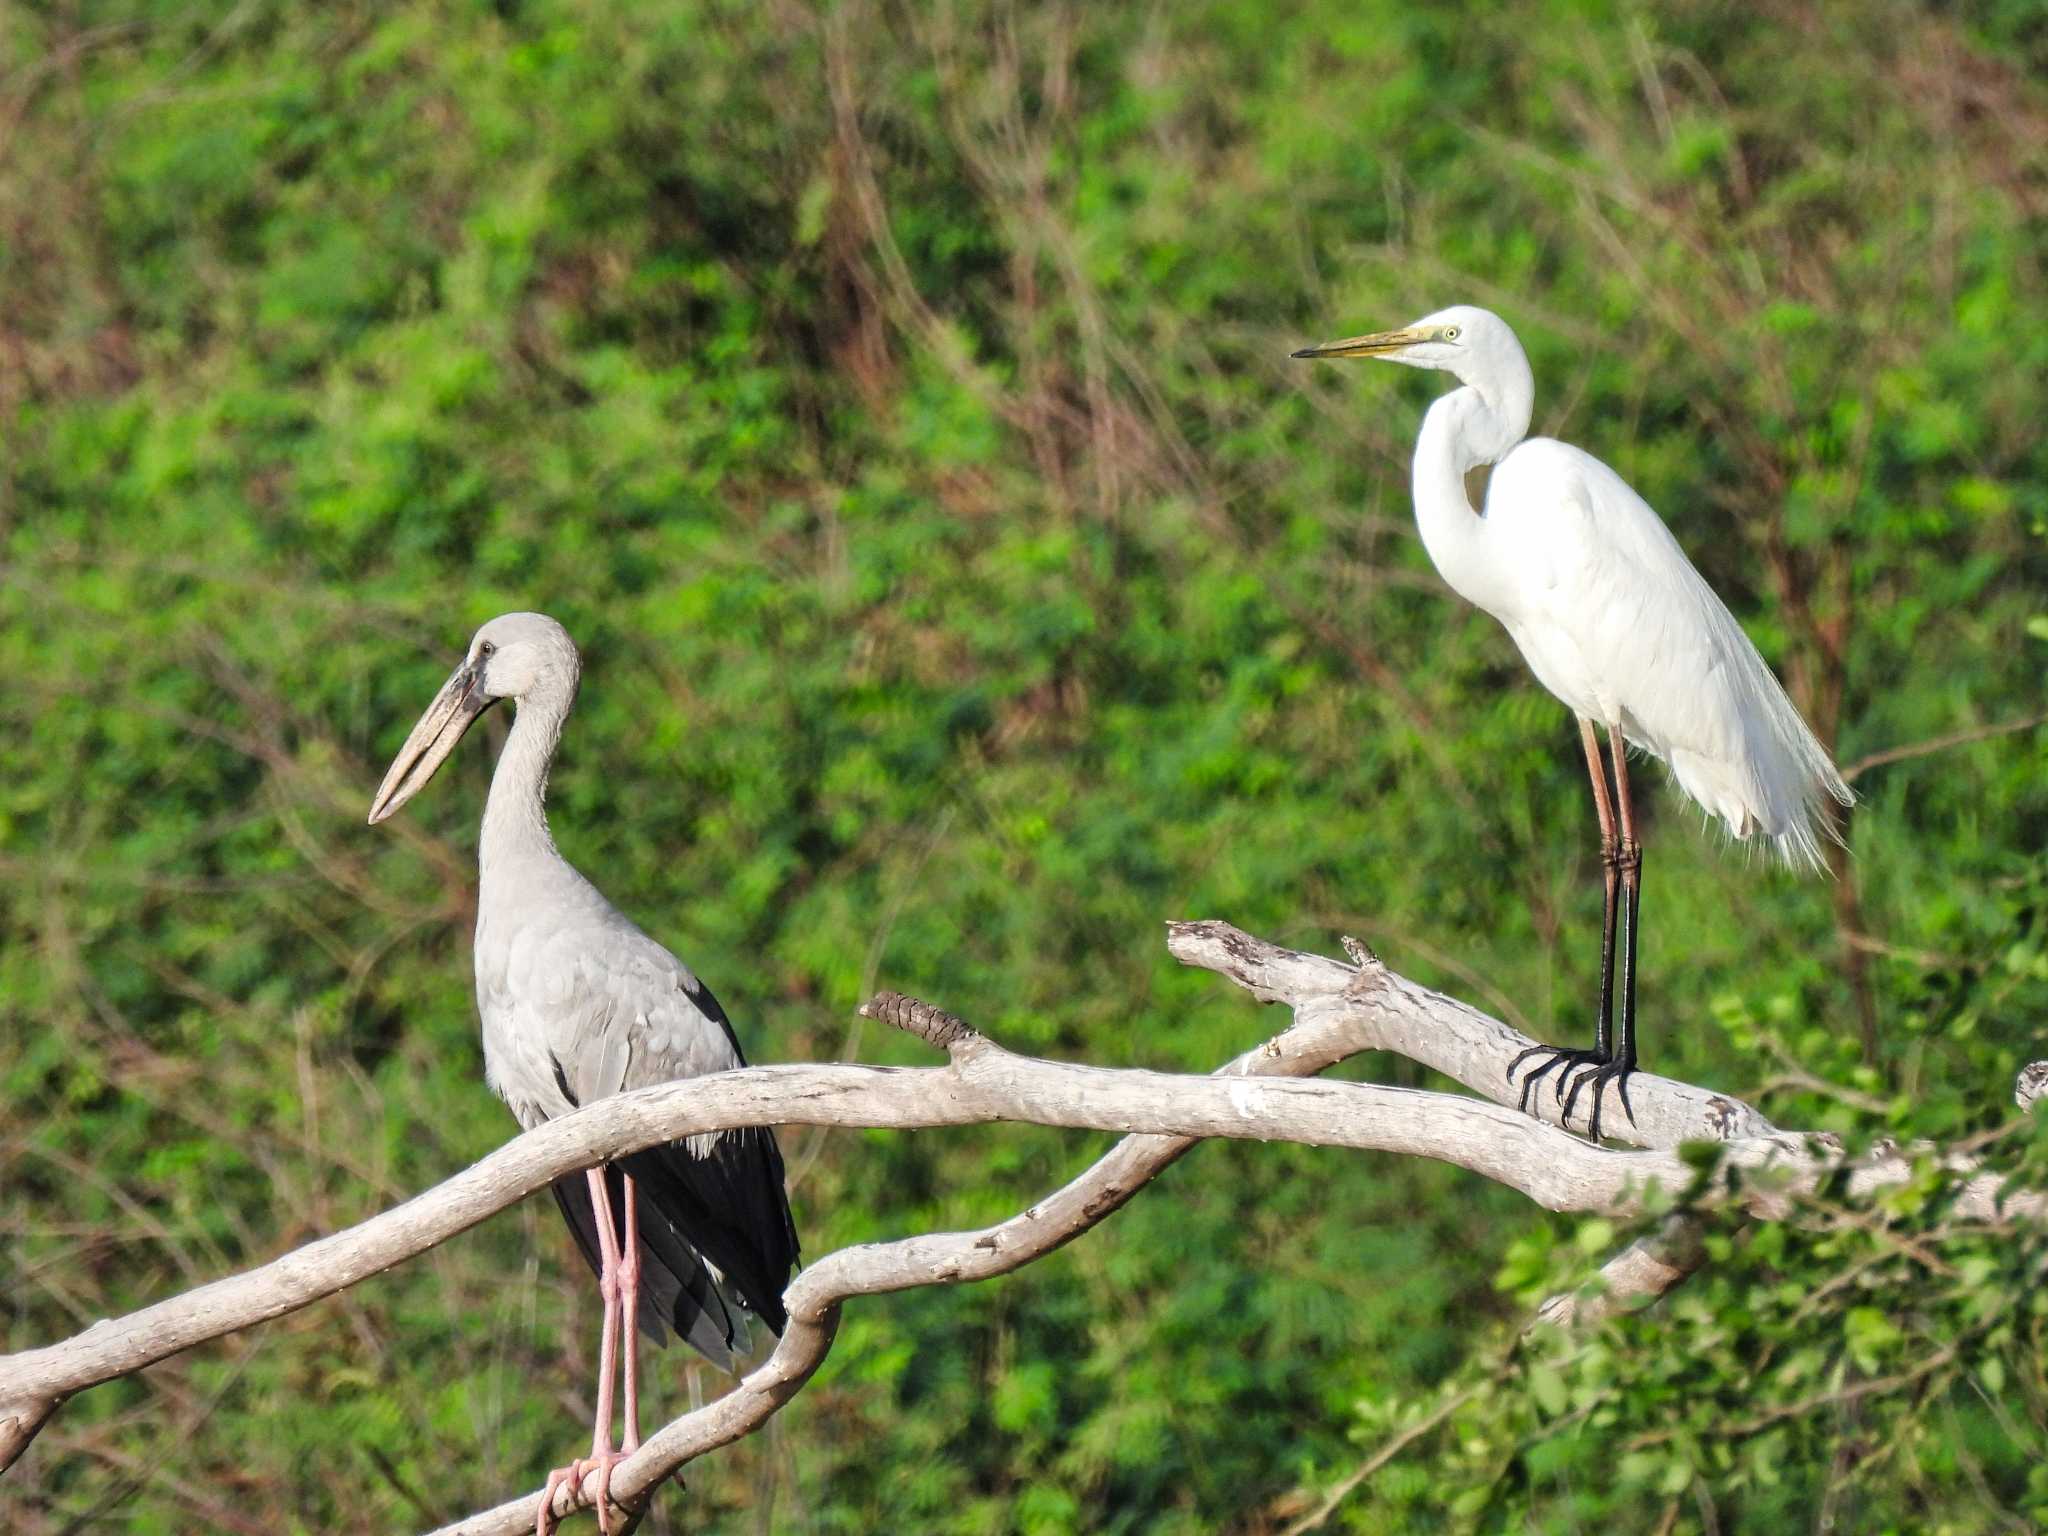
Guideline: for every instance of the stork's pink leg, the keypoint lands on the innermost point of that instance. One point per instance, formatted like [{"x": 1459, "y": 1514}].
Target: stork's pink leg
[
  {"x": 629, "y": 1317},
  {"x": 602, "y": 1457},
  {"x": 608, "y": 1287}
]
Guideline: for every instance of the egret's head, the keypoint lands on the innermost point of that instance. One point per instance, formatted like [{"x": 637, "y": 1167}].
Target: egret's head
[
  {"x": 1473, "y": 343},
  {"x": 515, "y": 656}
]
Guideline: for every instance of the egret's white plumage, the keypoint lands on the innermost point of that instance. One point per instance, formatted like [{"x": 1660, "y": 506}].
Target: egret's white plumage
[
  {"x": 1604, "y": 606},
  {"x": 578, "y": 1004}
]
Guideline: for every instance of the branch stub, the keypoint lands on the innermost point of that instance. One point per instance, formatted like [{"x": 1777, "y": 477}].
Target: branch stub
[{"x": 928, "y": 1022}]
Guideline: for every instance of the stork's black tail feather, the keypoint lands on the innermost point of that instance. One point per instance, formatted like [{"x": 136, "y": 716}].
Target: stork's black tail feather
[
  {"x": 728, "y": 1204},
  {"x": 725, "y": 1212}
]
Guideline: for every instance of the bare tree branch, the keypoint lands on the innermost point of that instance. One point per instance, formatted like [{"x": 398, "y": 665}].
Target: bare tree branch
[
  {"x": 1315, "y": 1518},
  {"x": 1911, "y": 750},
  {"x": 2031, "y": 1084},
  {"x": 938, "y": 1258},
  {"x": 1395, "y": 1014},
  {"x": 34, "y": 1382},
  {"x": 1655, "y": 1263},
  {"x": 1339, "y": 1009}
]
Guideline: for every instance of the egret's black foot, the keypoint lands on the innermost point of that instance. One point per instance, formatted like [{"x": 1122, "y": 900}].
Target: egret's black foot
[
  {"x": 1560, "y": 1056},
  {"x": 1615, "y": 1072}
]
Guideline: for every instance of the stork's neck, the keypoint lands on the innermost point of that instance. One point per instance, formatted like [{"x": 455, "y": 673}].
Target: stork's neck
[
  {"x": 515, "y": 817},
  {"x": 1464, "y": 429}
]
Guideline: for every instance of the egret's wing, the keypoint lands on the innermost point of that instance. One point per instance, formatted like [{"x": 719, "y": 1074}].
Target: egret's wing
[{"x": 1608, "y": 577}]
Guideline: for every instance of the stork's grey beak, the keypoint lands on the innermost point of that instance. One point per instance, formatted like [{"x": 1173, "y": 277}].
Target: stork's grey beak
[
  {"x": 453, "y": 711},
  {"x": 1379, "y": 344}
]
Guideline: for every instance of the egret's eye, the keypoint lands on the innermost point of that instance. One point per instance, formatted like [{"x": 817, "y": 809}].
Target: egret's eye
[{"x": 1450, "y": 333}]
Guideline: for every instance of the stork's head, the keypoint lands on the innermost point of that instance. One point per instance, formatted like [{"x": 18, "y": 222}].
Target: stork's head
[
  {"x": 1473, "y": 343},
  {"x": 518, "y": 656}
]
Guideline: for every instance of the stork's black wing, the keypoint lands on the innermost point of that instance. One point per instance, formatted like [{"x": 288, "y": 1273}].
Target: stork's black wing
[
  {"x": 720, "y": 1213},
  {"x": 676, "y": 1289}
]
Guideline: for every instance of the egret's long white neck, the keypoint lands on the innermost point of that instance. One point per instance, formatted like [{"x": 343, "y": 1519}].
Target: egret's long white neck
[
  {"x": 1475, "y": 425},
  {"x": 515, "y": 818}
]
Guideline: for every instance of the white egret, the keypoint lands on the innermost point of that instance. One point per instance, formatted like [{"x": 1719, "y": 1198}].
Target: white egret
[
  {"x": 578, "y": 1004},
  {"x": 1613, "y": 620}
]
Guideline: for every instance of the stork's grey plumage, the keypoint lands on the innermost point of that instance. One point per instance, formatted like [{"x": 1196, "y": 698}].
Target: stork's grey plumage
[{"x": 578, "y": 1003}]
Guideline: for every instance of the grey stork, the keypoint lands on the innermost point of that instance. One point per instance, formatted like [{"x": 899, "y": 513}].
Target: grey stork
[{"x": 578, "y": 1003}]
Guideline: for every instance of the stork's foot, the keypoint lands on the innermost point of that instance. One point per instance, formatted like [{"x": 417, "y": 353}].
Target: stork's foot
[
  {"x": 573, "y": 1474},
  {"x": 1561, "y": 1059}
]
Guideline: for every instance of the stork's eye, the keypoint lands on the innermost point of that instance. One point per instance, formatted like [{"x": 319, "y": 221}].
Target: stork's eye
[
  {"x": 1450, "y": 333},
  {"x": 485, "y": 651}
]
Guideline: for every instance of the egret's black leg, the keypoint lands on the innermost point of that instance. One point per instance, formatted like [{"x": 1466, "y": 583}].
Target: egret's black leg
[
  {"x": 1630, "y": 864},
  {"x": 1565, "y": 1059}
]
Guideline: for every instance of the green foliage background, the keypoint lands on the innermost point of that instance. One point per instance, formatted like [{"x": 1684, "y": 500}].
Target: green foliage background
[{"x": 895, "y": 402}]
